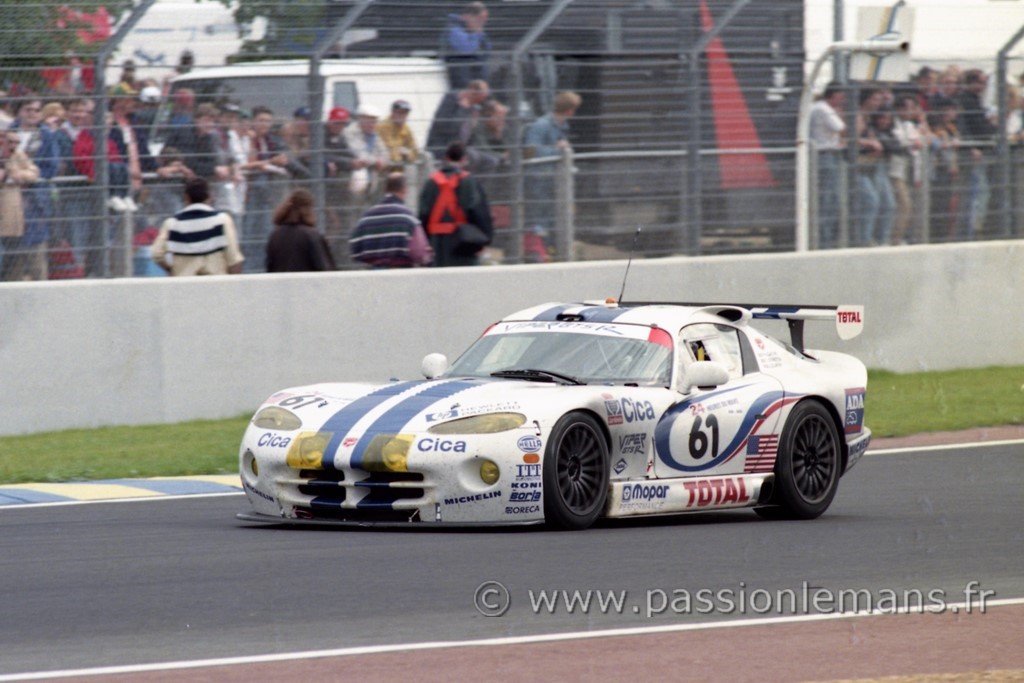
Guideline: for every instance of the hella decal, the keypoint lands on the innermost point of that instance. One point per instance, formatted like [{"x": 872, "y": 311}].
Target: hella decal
[
  {"x": 429, "y": 445},
  {"x": 273, "y": 440},
  {"x": 529, "y": 444},
  {"x": 716, "y": 492}
]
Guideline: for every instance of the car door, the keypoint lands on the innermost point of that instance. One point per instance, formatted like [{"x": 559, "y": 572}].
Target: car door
[{"x": 729, "y": 429}]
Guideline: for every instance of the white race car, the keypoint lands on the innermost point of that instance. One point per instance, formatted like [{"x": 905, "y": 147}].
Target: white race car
[{"x": 564, "y": 413}]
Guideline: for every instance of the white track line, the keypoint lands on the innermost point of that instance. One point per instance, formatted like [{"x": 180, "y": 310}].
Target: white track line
[
  {"x": 487, "y": 642},
  {"x": 943, "y": 447}
]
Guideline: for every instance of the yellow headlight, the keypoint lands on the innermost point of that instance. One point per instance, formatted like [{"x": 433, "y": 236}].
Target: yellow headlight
[
  {"x": 388, "y": 453},
  {"x": 489, "y": 472},
  {"x": 490, "y": 423},
  {"x": 277, "y": 418},
  {"x": 307, "y": 450}
]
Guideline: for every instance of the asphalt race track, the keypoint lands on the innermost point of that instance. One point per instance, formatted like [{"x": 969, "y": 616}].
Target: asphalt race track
[{"x": 169, "y": 580}]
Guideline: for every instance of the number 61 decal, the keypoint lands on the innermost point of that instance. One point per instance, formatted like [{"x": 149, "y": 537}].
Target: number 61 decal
[{"x": 699, "y": 440}]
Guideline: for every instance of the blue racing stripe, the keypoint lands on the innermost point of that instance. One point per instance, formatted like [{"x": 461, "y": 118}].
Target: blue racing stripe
[
  {"x": 342, "y": 421},
  {"x": 773, "y": 312},
  {"x": 551, "y": 315},
  {"x": 394, "y": 419}
]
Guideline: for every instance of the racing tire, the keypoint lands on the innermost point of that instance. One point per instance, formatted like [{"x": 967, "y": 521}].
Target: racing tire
[
  {"x": 575, "y": 472},
  {"x": 807, "y": 467}
]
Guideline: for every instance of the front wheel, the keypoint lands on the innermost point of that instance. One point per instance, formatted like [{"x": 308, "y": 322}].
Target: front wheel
[
  {"x": 807, "y": 467},
  {"x": 575, "y": 472}
]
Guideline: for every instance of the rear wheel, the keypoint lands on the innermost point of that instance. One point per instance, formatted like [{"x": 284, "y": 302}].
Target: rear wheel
[
  {"x": 807, "y": 467},
  {"x": 575, "y": 472}
]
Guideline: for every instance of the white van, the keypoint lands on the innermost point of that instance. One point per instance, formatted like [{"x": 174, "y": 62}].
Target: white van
[{"x": 351, "y": 83}]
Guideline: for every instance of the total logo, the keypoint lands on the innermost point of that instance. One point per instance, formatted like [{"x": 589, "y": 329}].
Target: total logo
[
  {"x": 273, "y": 440},
  {"x": 638, "y": 492},
  {"x": 529, "y": 444},
  {"x": 429, "y": 445}
]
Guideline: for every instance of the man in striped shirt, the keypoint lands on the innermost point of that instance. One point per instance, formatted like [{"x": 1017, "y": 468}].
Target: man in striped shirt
[
  {"x": 389, "y": 235},
  {"x": 198, "y": 240}
]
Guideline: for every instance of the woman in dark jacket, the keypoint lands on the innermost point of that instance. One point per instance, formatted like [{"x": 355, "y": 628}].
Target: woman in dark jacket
[{"x": 295, "y": 245}]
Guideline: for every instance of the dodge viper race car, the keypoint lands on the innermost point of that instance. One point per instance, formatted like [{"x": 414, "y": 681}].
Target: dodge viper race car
[{"x": 564, "y": 413}]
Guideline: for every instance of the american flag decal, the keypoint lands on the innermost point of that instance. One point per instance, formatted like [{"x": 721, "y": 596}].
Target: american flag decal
[{"x": 761, "y": 451}]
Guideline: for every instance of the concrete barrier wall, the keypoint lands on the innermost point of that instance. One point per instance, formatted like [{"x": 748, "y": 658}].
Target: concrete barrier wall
[{"x": 83, "y": 354}]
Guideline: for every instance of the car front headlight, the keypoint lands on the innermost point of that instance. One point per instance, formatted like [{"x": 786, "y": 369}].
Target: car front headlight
[
  {"x": 277, "y": 418},
  {"x": 491, "y": 423},
  {"x": 307, "y": 450}
]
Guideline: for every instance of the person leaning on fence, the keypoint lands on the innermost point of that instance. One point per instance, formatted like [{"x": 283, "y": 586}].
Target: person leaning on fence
[
  {"x": 397, "y": 136},
  {"x": 198, "y": 240},
  {"x": 548, "y": 136},
  {"x": 389, "y": 235},
  {"x": 826, "y": 133},
  {"x": 39, "y": 142},
  {"x": 978, "y": 131},
  {"x": 453, "y": 207},
  {"x": 17, "y": 171},
  {"x": 295, "y": 245}
]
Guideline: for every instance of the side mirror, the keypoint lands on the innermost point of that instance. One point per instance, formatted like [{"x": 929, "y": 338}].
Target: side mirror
[
  {"x": 705, "y": 374},
  {"x": 434, "y": 365}
]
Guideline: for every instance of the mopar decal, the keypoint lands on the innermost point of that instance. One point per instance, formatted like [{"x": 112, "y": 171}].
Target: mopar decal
[
  {"x": 273, "y": 440},
  {"x": 529, "y": 444},
  {"x": 429, "y": 445},
  {"x": 643, "y": 492}
]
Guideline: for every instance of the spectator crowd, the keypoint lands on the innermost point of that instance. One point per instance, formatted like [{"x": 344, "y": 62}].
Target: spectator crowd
[
  {"x": 257, "y": 169},
  {"x": 932, "y": 141}
]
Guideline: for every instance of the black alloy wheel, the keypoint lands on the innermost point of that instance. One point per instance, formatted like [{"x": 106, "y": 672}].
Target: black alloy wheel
[
  {"x": 575, "y": 472},
  {"x": 807, "y": 466}
]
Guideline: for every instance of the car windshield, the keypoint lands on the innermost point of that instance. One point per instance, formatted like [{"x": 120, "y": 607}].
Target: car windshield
[{"x": 600, "y": 355}]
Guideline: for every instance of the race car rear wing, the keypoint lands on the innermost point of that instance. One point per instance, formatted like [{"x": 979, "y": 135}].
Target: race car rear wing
[{"x": 849, "y": 319}]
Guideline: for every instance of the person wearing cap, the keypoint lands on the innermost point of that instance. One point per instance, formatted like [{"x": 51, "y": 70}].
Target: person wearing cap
[
  {"x": 397, "y": 136},
  {"x": 371, "y": 156},
  {"x": 149, "y": 103}
]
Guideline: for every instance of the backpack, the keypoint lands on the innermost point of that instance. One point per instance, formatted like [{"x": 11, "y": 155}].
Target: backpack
[{"x": 446, "y": 215}]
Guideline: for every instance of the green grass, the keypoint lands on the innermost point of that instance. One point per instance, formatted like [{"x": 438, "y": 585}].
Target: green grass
[{"x": 897, "y": 405}]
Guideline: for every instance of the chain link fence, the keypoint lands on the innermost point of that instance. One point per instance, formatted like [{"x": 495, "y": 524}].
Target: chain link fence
[{"x": 685, "y": 128}]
